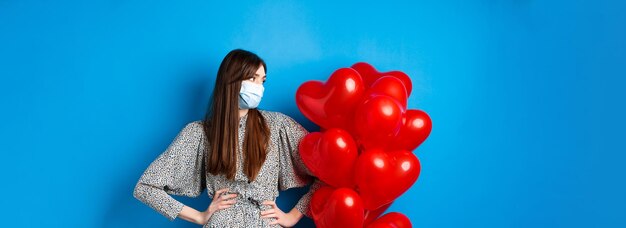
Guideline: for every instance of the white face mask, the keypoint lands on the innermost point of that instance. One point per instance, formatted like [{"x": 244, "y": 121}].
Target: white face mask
[{"x": 250, "y": 94}]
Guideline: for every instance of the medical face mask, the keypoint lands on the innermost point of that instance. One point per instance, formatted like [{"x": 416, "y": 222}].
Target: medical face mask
[{"x": 250, "y": 94}]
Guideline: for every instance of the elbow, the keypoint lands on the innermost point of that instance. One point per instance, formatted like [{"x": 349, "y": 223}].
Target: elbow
[{"x": 139, "y": 192}]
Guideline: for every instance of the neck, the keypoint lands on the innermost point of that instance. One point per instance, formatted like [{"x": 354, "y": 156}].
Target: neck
[{"x": 242, "y": 112}]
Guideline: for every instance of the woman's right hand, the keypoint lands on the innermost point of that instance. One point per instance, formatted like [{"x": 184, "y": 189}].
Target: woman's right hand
[{"x": 221, "y": 200}]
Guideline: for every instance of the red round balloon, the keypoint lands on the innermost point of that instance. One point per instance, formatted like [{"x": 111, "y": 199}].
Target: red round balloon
[
  {"x": 416, "y": 126},
  {"x": 370, "y": 75},
  {"x": 361, "y": 111},
  {"x": 343, "y": 208},
  {"x": 390, "y": 86},
  {"x": 376, "y": 121},
  {"x": 381, "y": 176},
  {"x": 331, "y": 104},
  {"x": 330, "y": 156},
  {"x": 371, "y": 215},
  {"x": 318, "y": 201},
  {"x": 391, "y": 220}
]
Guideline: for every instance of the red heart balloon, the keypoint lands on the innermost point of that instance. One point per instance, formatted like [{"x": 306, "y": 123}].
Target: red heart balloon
[
  {"x": 376, "y": 121},
  {"x": 381, "y": 176},
  {"x": 371, "y": 215},
  {"x": 331, "y": 104},
  {"x": 416, "y": 126},
  {"x": 318, "y": 201},
  {"x": 390, "y": 86},
  {"x": 330, "y": 156},
  {"x": 343, "y": 208},
  {"x": 392, "y": 220},
  {"x": 370, "y": 75}
]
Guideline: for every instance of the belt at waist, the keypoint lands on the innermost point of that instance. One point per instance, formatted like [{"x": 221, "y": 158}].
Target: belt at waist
[{"x": 247, "y": 195}]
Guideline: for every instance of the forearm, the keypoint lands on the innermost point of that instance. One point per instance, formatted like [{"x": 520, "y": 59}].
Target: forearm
[
  {"x": 158, "y": 200},
  {"x": 303, "y": 204},
  {"x": 193, "y": 215}
]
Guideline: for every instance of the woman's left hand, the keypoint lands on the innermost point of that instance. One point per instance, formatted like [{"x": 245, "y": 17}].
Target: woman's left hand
[{"x": 282, "y": 219}]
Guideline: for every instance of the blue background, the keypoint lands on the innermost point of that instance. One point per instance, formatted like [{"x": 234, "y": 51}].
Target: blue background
[{"x": 526, "y": 98}]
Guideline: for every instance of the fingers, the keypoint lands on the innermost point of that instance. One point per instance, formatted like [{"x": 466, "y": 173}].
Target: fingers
[
  {"x": 229, "y": 202},
  {"x": 218, "y": 193},
  {"x": 223, "y": 200},
  {"x": 227, "y": 196},
  {"x": 274, "y": 212},
  {"x": 268, "y": 211},
  {"x": 226, "y": 199},
  {"x": 271, "y": 203},
  {"x": 271, "y": 215},
  {"x": 222, "y": 195},
  {"x": 226, "y": 204}
]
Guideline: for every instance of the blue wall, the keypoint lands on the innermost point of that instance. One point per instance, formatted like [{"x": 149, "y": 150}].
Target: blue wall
[{"x": 526, "y": 97}]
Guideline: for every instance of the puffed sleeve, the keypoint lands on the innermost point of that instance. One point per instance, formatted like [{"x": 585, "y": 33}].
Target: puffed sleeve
[
  {"x": 293, "y": 172},
  {"x": 179, "y": 170}
]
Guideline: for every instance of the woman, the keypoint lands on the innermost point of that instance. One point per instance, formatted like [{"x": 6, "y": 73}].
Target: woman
[{"x": 242, "y": 155}]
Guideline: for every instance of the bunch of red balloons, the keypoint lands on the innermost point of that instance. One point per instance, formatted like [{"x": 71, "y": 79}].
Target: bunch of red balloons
[{"x": 363, "y": 153}]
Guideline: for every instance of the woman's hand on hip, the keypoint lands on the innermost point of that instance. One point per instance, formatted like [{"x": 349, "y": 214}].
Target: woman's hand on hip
[
  {"x": 282, "y": 219},
  {"x": 221, "y": 200}
]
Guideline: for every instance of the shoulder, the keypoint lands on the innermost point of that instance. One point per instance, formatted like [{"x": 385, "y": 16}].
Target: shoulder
[
  {"x": 277, "y": 117},
  {"x": 194, "y": 124},
  {"x": 290, "y": 125},
  {"x": 193, "y": 127}
]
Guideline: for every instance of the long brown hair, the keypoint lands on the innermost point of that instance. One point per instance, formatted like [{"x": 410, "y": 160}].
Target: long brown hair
[{"x": 222, "y": 119}]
